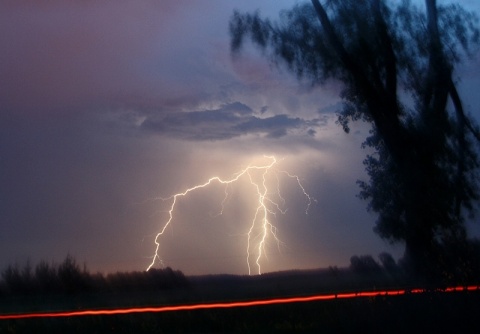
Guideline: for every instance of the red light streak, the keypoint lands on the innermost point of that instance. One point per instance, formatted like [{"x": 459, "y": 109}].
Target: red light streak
[{"x": 204, "y": 306}]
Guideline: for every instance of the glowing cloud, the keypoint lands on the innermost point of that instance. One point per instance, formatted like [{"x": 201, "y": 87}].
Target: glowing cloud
[{"x": 269, "y": 202}]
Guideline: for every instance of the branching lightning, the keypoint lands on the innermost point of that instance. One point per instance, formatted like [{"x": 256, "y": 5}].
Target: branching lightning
[{"x": 261, "y": 225}]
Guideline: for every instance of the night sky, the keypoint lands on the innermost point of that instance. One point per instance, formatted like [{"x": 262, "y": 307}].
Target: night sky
[{"x": 108, "y": 106}]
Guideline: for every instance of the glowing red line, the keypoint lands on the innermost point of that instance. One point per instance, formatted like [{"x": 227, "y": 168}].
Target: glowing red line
[
  {"x": 420, "y": 291},
  {"x": 228, "y": 304}
]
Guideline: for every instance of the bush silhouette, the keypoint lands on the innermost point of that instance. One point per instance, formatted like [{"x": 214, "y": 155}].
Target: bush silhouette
[
  {"x": 364, "y": 264},
  {"x": 69, "y": 278}
]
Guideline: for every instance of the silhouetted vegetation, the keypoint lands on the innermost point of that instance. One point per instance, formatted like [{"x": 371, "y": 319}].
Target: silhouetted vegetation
[
  {"x": 457, "y": 264},
  {"x": 52, "y": 287},
  {"x": 424, "y": 170},
  {"x": 364, "y": 264},
  {"x": 70, "y": 278}
]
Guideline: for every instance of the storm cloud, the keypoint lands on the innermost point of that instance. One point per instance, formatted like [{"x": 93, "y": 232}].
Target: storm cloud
[{"x": 228, "y": 121}]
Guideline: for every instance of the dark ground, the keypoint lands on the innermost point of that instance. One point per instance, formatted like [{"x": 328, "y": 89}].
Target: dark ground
[{"x": 430, "y": 312}]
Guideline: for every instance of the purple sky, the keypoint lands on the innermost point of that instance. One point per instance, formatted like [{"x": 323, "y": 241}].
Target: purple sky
[{"x": 108, "y": 105}]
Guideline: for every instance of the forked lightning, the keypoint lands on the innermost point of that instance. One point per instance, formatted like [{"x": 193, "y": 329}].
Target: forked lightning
[{"x": 266, "y": 206}]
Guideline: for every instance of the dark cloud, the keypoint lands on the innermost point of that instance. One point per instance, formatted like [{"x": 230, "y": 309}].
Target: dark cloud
[{"x": 228, "y": 121}]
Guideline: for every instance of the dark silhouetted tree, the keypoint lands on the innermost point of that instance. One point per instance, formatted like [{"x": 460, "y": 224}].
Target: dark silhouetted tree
[
  {"x": 46, "y": 277},
  {"x": 388, "y": 262},
  {"x": 13, "y": 279},
  {"x": 18, "y": 280},
  {"x": 395, "y": 62},
  {"x": 68, "y": 278},
  {"x": 71, "y": 277},
  {"x": 364, "y": 264}
]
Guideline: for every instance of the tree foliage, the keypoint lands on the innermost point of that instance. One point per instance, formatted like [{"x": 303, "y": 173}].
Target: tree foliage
[
  {"x": 396, "y": 64},
  {"x": 364, "y": 264},
  {"x": 70, "y": 279}
]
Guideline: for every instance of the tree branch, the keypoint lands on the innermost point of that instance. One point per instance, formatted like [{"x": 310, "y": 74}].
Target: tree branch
[
  {"x": 345, "y": 58},
  {"x": 438, "y": 70},
  {"x": 462, "y": 118},
  {"x": 383, "y": 109},
  {"x": 389, "y": 54}
]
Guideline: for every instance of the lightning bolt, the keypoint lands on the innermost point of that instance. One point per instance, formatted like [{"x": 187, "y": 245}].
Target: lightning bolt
[{"x": 261, "y": 226}]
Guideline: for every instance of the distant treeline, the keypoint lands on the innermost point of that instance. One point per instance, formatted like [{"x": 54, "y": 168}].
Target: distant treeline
[
  {"x": 456, "y": 265},
  {"x": 69, "y": 277}
]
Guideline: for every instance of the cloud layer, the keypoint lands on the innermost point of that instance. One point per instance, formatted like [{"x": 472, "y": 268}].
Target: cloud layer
[{"x": 227, "y": 122}]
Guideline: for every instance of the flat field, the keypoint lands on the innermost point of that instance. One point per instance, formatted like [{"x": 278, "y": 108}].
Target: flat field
[{"x": 429, "y": 312}]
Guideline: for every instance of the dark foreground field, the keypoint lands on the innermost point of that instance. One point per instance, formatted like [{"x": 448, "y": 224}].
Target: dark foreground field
[
  {"x": 426, "y": 313},
  {"x": 429, "y": 312}
]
